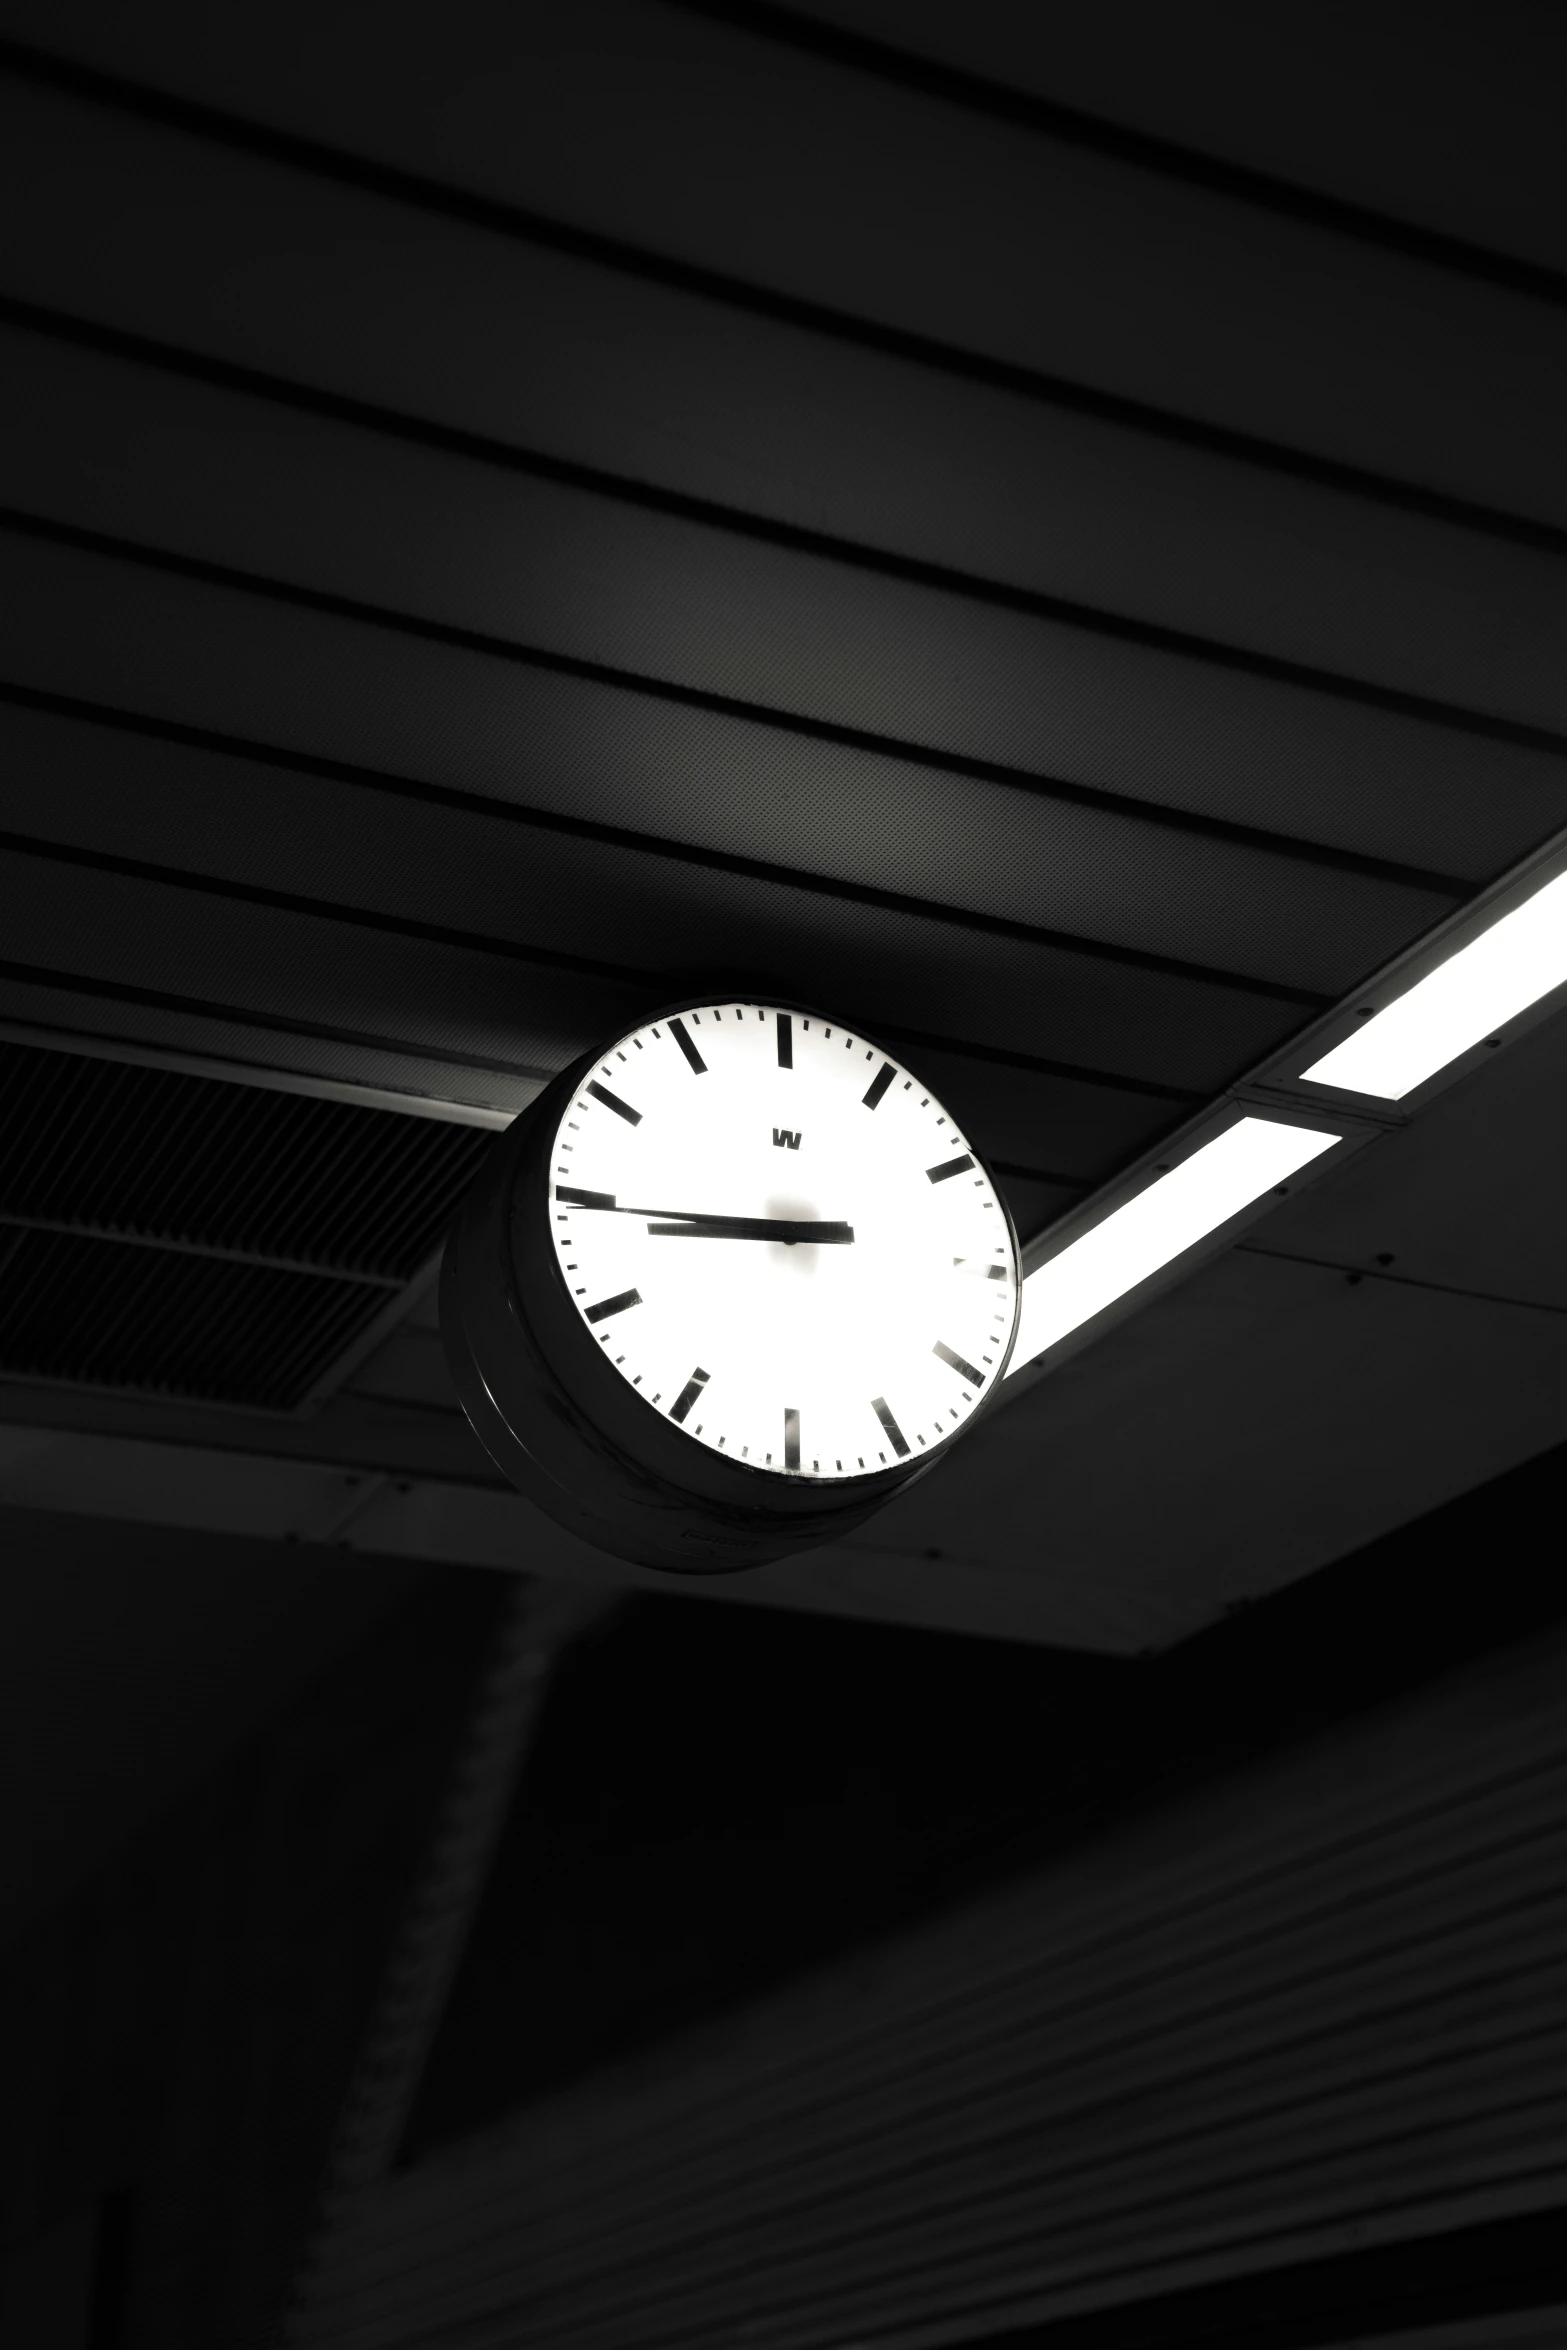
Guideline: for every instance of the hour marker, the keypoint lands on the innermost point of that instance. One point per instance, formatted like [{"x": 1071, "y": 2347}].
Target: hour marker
[
  {"x": 963, "y": 1369},
  {"x": 950, "y": 1167},
  {"x": 573, "y": 1198},
  {"x": 791, "y": 1438},
  {"x": 692, "y": 1388},
  {"x": 614, "y": 1305},
  {"x": 682, "y": 1037},
  {"x": 785, "y": 1041},
  {"x": 879, "y": 1084},
  {"x": 612, "y": 1101},
  {"x": 996, "y": 1272},
  {"x": 895, "y": 1434}
]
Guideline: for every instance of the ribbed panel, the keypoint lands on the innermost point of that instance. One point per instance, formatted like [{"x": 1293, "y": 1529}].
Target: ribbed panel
[
  {"x": 1326, "y": 2010},
  {"x": 158, "y": 1155},
  {"x": 186, "y": 1237},
  {"x": 93, "y": 1312}
]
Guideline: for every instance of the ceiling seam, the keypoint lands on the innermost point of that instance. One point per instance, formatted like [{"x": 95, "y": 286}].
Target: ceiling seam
[
  {"x": 59, "y": 980},
  {"x": 596, "y": 248},
  {"x": 971, "y": 93},
  {"x": 459, "y": 799},
  {"x": 1204, "y": 653},
  {"x": 1373, "y": 1272},
  {"x": 1358, "y": 484},
  {"x": 389, "y": 924}
]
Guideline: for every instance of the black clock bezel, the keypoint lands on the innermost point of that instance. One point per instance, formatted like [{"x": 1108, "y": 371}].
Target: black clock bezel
[{"x": 562, "y": 1423}]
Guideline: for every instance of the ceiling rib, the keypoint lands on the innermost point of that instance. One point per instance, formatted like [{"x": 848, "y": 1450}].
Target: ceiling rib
[
  {"x": 581, "y": 828},
  {"x": 455, "y": 440},
  {"x": 1454, "y": 718},
  {"x": 57, "y": 977},
  {"x": 1070, "y": 126},
  {"x": 516, "y": 222},
  {"x": 853, "y": 555},
  {"x": 1161, "y": 817},
  {"x": 553, "y": 959}
]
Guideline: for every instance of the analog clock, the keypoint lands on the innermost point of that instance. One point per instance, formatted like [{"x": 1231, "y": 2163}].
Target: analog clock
[{"x": 727, "y": 1286}]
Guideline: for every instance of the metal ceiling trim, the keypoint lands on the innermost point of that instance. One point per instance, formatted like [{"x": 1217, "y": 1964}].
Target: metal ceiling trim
[
  {"x": 188, "y": 1064},
  {"x": 343, "y": 1366}
]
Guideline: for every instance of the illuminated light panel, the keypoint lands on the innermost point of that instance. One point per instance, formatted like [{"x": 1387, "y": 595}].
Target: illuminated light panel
[
  {"x": 1171, "y": 1216},
  {"x": 1466, "y": 999}
]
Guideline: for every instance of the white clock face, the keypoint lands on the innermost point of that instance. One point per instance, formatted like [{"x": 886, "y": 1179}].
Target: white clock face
[{"x": 782, "y": 1242}]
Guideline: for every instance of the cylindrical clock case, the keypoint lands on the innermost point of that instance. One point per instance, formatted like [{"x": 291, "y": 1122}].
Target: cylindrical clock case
[{"x": 562, "y": 1424}]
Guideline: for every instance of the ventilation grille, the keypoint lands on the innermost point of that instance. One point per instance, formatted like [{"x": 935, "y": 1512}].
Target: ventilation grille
[{"x": 180, "y": 1236}]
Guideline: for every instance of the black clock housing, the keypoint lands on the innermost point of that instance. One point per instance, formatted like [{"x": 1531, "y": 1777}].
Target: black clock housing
[{"x": 563, "y": 1425}]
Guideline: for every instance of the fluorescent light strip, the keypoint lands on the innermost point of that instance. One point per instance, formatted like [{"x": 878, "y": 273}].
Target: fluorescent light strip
[
  {"x": 1463, "y": 1001},
  {"x": 1172, "y": 1215}
]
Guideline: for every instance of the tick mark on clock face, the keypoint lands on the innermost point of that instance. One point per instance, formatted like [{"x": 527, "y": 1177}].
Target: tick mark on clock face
[
  {"x": 895, "y": 1435},
  {"x": 950, "y": 1167},
  {"x": 614, "y": 1305},
  {"x": 879, "y": 1084},
  {"x": 688, "y": 1394},
  {"x": 785, "y": 1041},
  {"x": 682, "y": 1036},
  {"x": 612, "y": 1101},
  {"x": 791, "y": 1438},
  {"x": 963, "y": 1369}
]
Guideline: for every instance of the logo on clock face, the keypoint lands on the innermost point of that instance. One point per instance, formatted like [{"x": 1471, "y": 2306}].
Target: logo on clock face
[{"x": 834, "y": 1334}]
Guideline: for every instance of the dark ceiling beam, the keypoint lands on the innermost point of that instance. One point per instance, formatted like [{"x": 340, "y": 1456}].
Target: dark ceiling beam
[{"x": 416, "y": 190}]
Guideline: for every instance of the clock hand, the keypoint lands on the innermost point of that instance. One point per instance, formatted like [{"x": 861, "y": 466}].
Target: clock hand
[
  {"x": 673, "y": 1222},
  {"x": 788, "y": 1230}
]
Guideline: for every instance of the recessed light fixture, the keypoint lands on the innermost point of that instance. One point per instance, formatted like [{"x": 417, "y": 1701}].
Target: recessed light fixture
[
  {"x": 1463, "y": 1001},
  {"x": 1158, "y": 1224}
]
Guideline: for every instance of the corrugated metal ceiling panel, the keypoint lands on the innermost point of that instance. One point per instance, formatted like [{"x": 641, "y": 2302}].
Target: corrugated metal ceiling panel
[
  {"x": 1320, "y": 2010},
  {"x": 1219, "y": 309},
  {"x": 152, "y": 1155},
  {"x": 933, "y": 506},
  {"x": 176, "y": 1235}
]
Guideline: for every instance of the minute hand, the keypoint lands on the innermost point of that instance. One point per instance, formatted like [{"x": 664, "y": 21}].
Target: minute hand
[
  {"x": 700, "y": 1227},
  {"x": 672, "y": 1222}
]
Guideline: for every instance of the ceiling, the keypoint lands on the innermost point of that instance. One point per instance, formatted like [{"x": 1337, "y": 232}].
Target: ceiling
[{"x": 1046, "y": 536}]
